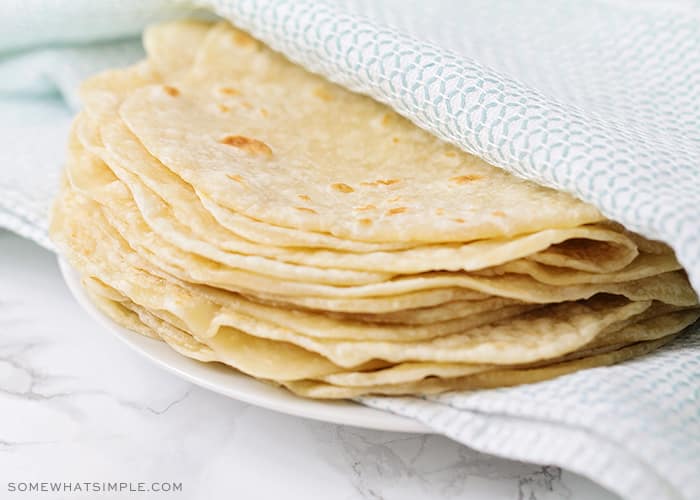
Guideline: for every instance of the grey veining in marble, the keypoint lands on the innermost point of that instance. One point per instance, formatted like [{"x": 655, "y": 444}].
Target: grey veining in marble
[{"x": 77, "y": 405}]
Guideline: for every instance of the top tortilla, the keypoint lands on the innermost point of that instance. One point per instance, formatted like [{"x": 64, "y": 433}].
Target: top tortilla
[{"x": 265, "y": 138}]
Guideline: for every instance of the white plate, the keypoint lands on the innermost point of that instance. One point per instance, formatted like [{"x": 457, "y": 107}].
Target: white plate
[{"x": 235, "y": 385}]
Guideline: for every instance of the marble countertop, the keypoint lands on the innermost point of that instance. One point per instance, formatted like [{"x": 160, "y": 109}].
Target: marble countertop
[{"x": 77, "y": 405}]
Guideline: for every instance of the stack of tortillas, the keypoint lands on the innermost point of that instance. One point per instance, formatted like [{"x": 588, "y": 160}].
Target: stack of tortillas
[{"x": 247, "y": 212}]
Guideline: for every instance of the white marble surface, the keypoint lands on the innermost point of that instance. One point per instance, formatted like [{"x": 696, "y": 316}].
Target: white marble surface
[{"x": 77, "y": 405}]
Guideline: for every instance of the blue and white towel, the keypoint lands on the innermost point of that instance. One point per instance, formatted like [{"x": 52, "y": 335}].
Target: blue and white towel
[{"x": 598, "y": 98}]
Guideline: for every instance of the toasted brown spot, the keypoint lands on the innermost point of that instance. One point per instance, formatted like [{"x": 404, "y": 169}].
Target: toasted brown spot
[
  {"x": 439, "y": 211},
  {"x": 223, "y": 108},
  {"x": 498, "y": 213},
  {"x": 365, "y": 222},
  {"x": 264, "y": 112},
  {"x": 171, "y": 91},
  {"x": 387, "y": 118},
  {"x": 229, "y": 91},
  {"x": 243, "y": 39},
  {"x": 237, "y": 178},
  {"x": 304, "y": 197},
  {"x": 323, "y": 94},
  {"x": 343, "y": 188},
  {"x": 395, "y": 140},
  {"x": 306, "y": 209},
  {"x": 394, "y": 199},
  {"x": 251, "y": 146},
  {"x": 463, "y": 179},
  {"x": 383, "y": 182},
  {"x": 397, "y": 210},
  {"x": 451, "y": 153},
  {"x": 365, "y": 208},
  {"x": 459, "y": 219}
]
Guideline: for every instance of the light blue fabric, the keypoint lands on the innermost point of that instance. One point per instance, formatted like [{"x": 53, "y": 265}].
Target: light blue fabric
[
  {"x": 25, "y": 24},
  {"x": 37, "y": 101},
  {"x": 598, "y": 98},
  {"x": 46, "y": 49}
]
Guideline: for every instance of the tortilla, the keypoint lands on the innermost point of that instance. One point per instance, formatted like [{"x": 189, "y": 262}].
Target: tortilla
[
  {"x": 402, "y": 185},
  {"x": 655, "y": 323},
  {"x": 179, "y": 216},
  {"x": 542, "y": 333},
  {"x": 614, "y": 339},
  {"x": 482, "y": 380},
  {"x": 254, "y": 216}
]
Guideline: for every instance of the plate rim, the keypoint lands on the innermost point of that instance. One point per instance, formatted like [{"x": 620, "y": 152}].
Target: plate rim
[{"x": 346, "y": 413}]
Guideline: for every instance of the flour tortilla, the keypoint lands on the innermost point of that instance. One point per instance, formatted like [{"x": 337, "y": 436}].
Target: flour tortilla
[
  {"x": 638, "y": 330},
  {"x": 556, "y": 325},
  {"x": 451, "y": 274},
  {"x": 657, "y": 322},
  {"x": 673, "y": 288},
  {"x": 558, "y": 329},
  {"x": 122, "y": 211},
  {"x": 130, "y": 316},
  {"x": 103, "y": 93},
  {"x": 115, "y": 262},
  {"x": 399, "y": 303},
  {"x": 120, "y": 314},
  {"x": 251, "y": 355},
  {"x": 173, "y": 210},
  {"x": 172, "y": 46},
  {"x": 428, "y": 315},
  {"x": 170, "y": 30},
  {"x": 294, "y": 136},
  {"x": 646, "y": 264},
  {"x": 482, "y": 380}
]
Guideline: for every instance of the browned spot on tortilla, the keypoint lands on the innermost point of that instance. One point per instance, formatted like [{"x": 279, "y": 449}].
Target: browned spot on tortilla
[
  {"x": 264, "y": 112},
  {"x": 306, "y": 209},
  {"x": 498, "y": 213},
  {"x": 463, "y": 179},
  {"x": 223, "y": 108},
  {"x": 250, "y": 146},
  {"x": 394, "y": 199},
  {"x": 451, "y": 153},
  {"x": 387, "y": 118},
  {"x": 439, "y": 211},
  {"x": 397, "y": 210},
  {"x": 243, "y": 39},
  {"x": 381, "y": 182},
  {"x": 395, "y": 140},
  {"x": 365, "y": 208},
  {"x": 304, "y": 197},
  {"x": 237, "y": 178},
  {"x": 229, "y": 91},
  {"x": 343, "y": 188},
  {"x": 323, "y": 94},
  {"x": 365, "y": 222},
  {"x": 459, "y": 219},
  {"x": 171, "y": 91}
]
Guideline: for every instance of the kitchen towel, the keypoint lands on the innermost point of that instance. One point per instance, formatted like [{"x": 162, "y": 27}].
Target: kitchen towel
[{"x": 598, "y": 98}]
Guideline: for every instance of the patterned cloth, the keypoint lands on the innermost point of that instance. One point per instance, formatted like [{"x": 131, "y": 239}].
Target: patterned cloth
[{"x": 599, "y": 98}]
